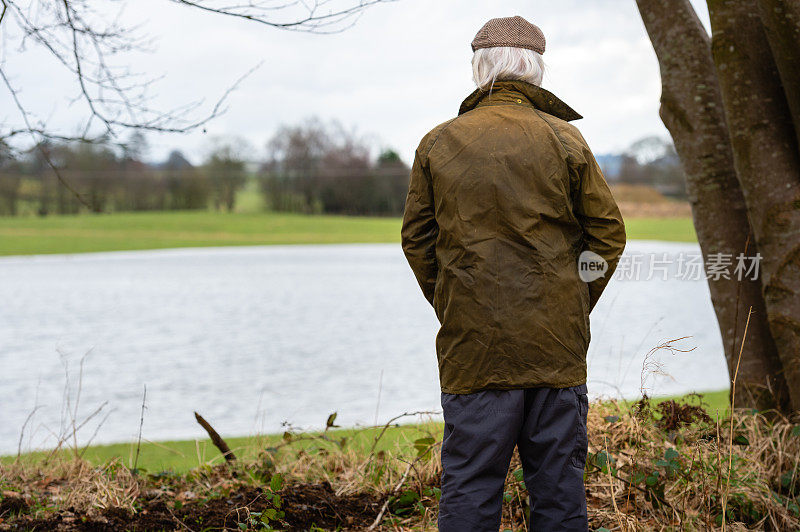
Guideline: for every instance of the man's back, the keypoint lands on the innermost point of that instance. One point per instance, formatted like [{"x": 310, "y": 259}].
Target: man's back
[
  {"x": 503, "y": 203},
  {"x": 511, "y": 189}
]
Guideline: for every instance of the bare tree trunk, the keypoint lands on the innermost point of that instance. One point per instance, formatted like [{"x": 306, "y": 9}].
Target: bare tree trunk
[
  {"x": 781, "y": 19},
  {"x": 691, "y": 108},
  {"x": 767, "y": 164},
  {"x": 9, "y": 192},
  {"x": 44, "y": 195}
]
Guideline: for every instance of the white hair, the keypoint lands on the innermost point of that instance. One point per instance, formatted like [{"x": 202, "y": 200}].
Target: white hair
[{"x": 506, "y": 63}]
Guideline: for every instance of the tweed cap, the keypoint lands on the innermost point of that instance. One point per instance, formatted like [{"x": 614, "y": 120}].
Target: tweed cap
[{"x": 509, "y": 31}]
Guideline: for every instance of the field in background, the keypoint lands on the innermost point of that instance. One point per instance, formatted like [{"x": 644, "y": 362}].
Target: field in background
[
  {"x": 159, "y": 230},
  {"x": 648, "y": 216}
]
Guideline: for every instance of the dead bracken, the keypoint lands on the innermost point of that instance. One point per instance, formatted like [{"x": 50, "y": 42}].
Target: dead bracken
[{"x": 652, "y": 467}]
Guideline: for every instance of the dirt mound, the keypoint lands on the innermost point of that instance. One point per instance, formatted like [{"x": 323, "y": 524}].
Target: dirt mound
[
  {"x": 304, "y": 506},
  {"x": 12, "y": 503}
]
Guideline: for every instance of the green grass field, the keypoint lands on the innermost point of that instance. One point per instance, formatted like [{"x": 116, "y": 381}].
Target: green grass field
[
  {"x": 158, "y": 230},
  {"x": 129, "y": 231},
  {"x": 670, "y": 229},
  {"x": 181, "y": 456}
]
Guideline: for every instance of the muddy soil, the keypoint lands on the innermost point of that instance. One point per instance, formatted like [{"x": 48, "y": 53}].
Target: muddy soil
[{"x": 305, "y": 506}]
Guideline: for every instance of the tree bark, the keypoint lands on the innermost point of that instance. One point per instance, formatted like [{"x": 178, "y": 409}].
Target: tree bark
[
  {"x": 781, "y": 19},
  {"x": 767, "y": 164},
  {"x": 691, "y": 109}
]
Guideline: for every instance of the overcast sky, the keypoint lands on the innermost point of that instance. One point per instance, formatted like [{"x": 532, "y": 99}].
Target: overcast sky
[{"x": 403, "y": 68}]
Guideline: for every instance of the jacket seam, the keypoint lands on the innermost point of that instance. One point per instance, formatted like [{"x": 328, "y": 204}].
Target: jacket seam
[
  {"x": 529, "y": 105},
  {"x": 553, "y": 129},
  {"x": 433, "y": 143}
]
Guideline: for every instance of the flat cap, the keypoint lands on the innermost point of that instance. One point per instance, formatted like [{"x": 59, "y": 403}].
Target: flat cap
[{"x": 509, "y": 31}]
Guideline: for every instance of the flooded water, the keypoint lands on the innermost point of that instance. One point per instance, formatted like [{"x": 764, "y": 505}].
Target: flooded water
[{"x": 254, "y": 337}]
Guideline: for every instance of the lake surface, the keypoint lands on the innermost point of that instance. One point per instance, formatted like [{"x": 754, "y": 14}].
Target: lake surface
[{"x": 253, "y": 337}]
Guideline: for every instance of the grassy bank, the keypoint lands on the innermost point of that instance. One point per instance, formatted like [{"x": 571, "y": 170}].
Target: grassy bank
[
  {"x": 667, "y": 466},
  {"x": 158, "y": 230},
  {"x": 669, "y": 229},
  {"x": 184, "y": 455}
]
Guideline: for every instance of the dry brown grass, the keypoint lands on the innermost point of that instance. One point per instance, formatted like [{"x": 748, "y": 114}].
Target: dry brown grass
[
  {"x": 638, "y": 194},
  {"x": 72, "y": 484},
  {"x": 638, "y": 201},
  {"x": 649, "y": 468},
  {"x": 675, "y": 480}
]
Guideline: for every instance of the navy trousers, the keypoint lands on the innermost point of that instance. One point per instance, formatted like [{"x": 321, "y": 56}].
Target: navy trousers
[{"x": 548, "y": 425}]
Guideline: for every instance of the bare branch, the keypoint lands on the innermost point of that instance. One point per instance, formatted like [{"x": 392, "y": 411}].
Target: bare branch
[
  {"x": 88, "y": 44},
  {"x": 116, "y": 98},
  {"x": 312, "y": 22}
]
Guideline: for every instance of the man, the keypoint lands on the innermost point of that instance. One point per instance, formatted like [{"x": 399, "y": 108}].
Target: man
[{"x": 503, "y": 201}]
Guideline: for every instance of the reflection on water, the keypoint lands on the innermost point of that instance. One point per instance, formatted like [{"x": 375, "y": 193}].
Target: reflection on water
[{"x": 251, "y": 337}]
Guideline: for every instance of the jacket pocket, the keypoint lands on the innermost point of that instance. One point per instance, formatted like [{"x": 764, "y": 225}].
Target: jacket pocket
[
  {"x": 581, "y": 437},
  {"x": 585, "y": 301},
  {"x": 438, "y": 304}
]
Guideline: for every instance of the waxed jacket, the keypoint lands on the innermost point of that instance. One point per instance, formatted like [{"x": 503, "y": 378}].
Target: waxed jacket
[{"x": 502, "y": 201}]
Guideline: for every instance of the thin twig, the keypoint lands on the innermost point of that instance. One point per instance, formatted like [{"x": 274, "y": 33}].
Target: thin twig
[
  {"x": 141, "y": 424},
  {"x": 310, "y": 23},
  {"x": 391, "y": 421},
  {"x": 385, "y": 506},
  {"x": 94, "y": 434},
  {"x": 22, "y": 430},
  {"x": 378, "y": 404},
  {"x": 733, "y": 401},
  {"x": 738, "y": 297},
  {"x": 611, "y": 484}
]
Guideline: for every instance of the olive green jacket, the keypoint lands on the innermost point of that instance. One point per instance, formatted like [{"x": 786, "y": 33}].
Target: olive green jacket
[{"x": 502, "y": 200}]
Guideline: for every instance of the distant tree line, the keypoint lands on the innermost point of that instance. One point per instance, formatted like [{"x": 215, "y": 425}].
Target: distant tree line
[
  {"x": 314, "y": 167},
  {"x": 311, "y": 168},
  {"x": 650, "y": 161},
  {"x": 322, "y": 168},
  {"x": 114, "y": 180}
]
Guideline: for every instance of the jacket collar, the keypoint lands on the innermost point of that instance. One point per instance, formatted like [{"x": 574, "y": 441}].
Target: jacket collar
[{"x": 510, "y": 91}]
